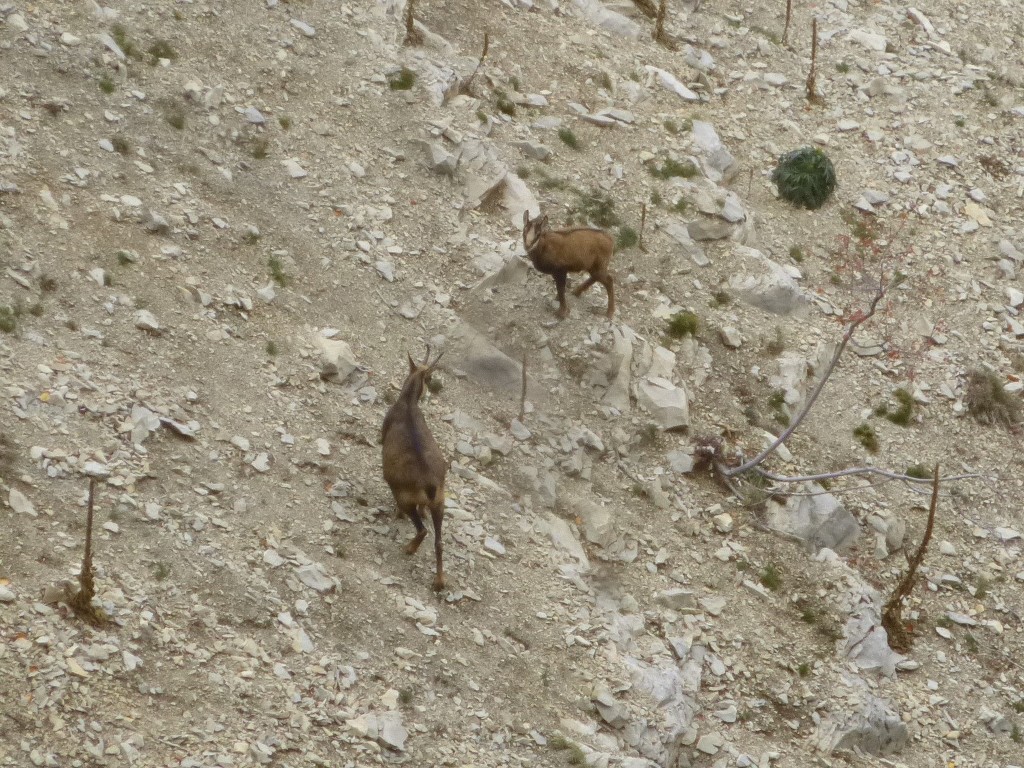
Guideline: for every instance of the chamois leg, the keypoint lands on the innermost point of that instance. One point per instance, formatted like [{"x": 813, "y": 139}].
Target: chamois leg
[
  {"x": 437, "y": 515},
  {"x": 421, "y": 530},
  {"x": 583, "y": 286},
  {"x": 606, "y": 281},
  {"x": 560, "y": 281}
]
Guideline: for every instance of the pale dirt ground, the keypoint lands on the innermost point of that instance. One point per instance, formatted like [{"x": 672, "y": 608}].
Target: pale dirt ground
[{"x": 197, "y": 601}]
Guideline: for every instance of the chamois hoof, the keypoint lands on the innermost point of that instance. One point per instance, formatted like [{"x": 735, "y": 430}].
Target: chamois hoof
[
  {"x": 412, "y": 546},
  {"x": 439, "y": 582},
  {"x": 562, "y": 313}
]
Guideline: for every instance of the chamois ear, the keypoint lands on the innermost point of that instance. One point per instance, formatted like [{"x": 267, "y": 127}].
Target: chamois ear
[
  {"x": 544, "y": 222},
  {"x": 433, "y": 365},
  {"x": 526, "y": 217},
  {"x": 412, "y": 363}
]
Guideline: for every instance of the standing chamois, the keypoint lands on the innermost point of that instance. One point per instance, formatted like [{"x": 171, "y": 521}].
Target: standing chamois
[
  {"x": 557, "y": 252},
  {"x": 414, "y": 466}
]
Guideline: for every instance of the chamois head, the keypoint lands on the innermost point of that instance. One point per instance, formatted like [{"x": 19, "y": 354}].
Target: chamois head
[
  {"x": 533, "y": 229},
  {"x": 421, "y": 372}
]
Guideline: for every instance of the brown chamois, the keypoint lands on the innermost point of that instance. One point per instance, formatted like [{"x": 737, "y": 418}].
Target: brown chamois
[
  {"x": 557, "y": 252},
  {"x": 414, "y": 466}
]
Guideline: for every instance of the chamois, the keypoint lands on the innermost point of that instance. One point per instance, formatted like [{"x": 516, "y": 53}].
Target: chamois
[
  {"x": 414, "y": 466},
  {"x": 557, "y": 252}
]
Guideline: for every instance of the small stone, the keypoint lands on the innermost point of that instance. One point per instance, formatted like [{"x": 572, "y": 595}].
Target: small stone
[
  {"x": 6, "y": 595},
  {"x": 723, "y": 522},
  {"x": 293, "y": 168},
  {"x": 678, "y": 599},
  {"x": 146, "y": 321},
  {"x": 730, "y": 337},
  {"x": 20, "y": 503},
  {"x": 304, "y": 28}
]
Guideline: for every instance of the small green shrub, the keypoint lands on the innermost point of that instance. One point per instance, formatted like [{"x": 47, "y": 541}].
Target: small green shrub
[
  {"x": 569, "y": 138},
  {"x": 776, "y": 345},
  {"x": 670, "y": 126},
  {"x": 988, "y": 402},
  {"x": 918, "y": 471},
  {"x": 805, "y": 177},
  {"x": 277, "y": 271},
  {"x": 683, "y": 324},
  {"x": 721, "y": 298},
  {"x": 680, "y": 205},
  {"x": 405, "y": 697},
  {"x": 271, "y": 348},
  {"x": 121, "y": 144},
  {"x": 161, "y": 571},
  {"x": 120, "y": 35},
  {"x": 107, "y": 84},
  {"x": 47, "y": 283},
  {"x": 285, "y": 122},
  {"x": 596, "y": 207},
  {"x": 627, "y": 238},
  {"x": 904, "y": 409},
  {"x": 8, "y": 320},
  {"x": 771, "y": 578},
  {"x": 842, "y": 67},
  {"x": 259, "y": 147},
  {"x": 866, "y": 436},
  {"x": 959, "y": 122},
  {"x": 656, "y": 198},
  {"x": 507, "y": 107},
  {"x": 671, "y": 168},
  {"x": 402, "y": 80},
  {"x": 174, "y": 114},
  {"x": 161, "y": 49},
  {"x": 804, "y": 669},
  {"x": 796, "y": 253}
]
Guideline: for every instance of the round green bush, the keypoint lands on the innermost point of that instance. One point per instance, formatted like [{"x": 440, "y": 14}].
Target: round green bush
[{"x": 805, "y": 177}]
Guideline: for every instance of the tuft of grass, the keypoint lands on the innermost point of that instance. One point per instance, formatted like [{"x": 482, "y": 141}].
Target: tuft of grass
[
  {"x": 771, "y": 578},
  {"x": 481, "y": 116},
  {"x": 905, "y": 409},
  {"x": 671, "y": 168},
  {"x": 842, "y": 67},
  {"x": 277, "y": 271},
  {"x": 988, "y": 402},
  {"x": 596, "y": 207},
  {"x": 804, "y": 669},
  {"x": 121, "y": 144},
  {"x": 604, "y": 80},
  {"x": 1015, "y": 734},
  {"x": 559, "y": 743},
  {"x": 569, "y": 138},
  {"x": 506, "y": 107},
  {"x": 866, "y": 436},
  {"x": 161, "y": 49},
  {"x": 435, "y": 384},
  {"x": 47, "y": 283},
  {"x": 516, "y": 85},
  {"x": 403, "y": 80},
  {"x": 161, "y": 571},
  {"x": 285, "y": 122},
  {"x": 777, "y": 345},
  {"x": 981, "y": 588},
  {"x": 8, "y": 320},
  {"x": 670, "y": 126},
  {"x": 796, "y": 253},
  {"x": 259, "y": 147},
  {"x": 805, "y": 177},
  {"x": 807, "y": 616},
  {"x": 124, "y": 258},
  {"x": 656, "y": 198},
  {"x": 683, "y": 324},
  {"x": 777, "y": 406},
  {"x": 959, "y": 122},
  {"x": 174, "y": 114},
  {"x": 120, "y": 34},
  {"x": 271, "y": 348},
  {"x": 680, "y": 205},
  {"x": 627, "y": 238},
  {"x": 107, "y": 84},
  {"x": 721, "y": 298},
  {"x": 36, "y": 310},
  {"x": 405, "y": 697},
  {"x": 918, "y": 470}
]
